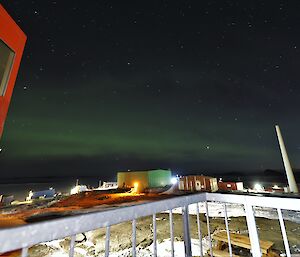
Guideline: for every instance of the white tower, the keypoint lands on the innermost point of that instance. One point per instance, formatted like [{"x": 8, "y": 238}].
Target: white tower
[{"x": 288, "y": 169}]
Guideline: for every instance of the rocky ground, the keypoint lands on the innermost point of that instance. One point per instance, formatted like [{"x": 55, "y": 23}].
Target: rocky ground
[
  {"x": 93, "y": 243},
  {"x": 75, "y": 204}
]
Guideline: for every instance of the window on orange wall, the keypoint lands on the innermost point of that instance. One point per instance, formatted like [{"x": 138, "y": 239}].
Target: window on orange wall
[{"x": 6, "y": 61}]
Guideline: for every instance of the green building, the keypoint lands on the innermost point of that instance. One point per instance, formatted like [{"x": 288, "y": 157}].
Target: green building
[{"x": 144, "y": 179}]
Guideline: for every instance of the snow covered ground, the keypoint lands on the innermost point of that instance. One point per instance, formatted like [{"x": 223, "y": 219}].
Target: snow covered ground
[
  {"x": 88, "y": 249},
  {"x": 163, "y": 249},
  {"x": 237, "y": 210}
]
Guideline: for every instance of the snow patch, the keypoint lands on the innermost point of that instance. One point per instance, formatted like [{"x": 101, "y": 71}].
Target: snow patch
[
  {"x": 163, "y": 249},
  {"x": 237, "y": 210}
]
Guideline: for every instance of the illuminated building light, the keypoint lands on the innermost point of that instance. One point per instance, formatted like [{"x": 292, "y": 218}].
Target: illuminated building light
[
  {"x": 258, "y": 187},
  {"x": 78, "y": 189},
  {"x": 135, "y": 187},
  {"x": 174, "y": 180}
]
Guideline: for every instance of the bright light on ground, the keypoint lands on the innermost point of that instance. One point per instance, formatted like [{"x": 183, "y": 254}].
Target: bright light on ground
[
  {"x": 173, "y": 180},
  {"x": 135, "y": 187},
  {"x": 79, "y": 188},
  {"x": 258, "y": 187}
]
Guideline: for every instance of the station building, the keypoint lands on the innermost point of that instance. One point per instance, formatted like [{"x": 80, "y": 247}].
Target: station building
[
  {"x": 230, "y": 186},
  {"x": 198, "y": 183},
  {"x": 140, "y": 180}
]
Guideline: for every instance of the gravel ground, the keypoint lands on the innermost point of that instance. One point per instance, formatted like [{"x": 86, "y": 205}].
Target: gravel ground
[{"x": 94, "y": 243}]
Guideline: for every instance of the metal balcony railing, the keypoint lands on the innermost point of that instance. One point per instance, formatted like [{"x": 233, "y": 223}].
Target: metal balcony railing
[{"x": 24, "y": 237}]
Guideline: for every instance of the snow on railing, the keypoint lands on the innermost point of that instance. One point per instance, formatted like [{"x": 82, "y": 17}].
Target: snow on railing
[{"x": 26, "y": 236}]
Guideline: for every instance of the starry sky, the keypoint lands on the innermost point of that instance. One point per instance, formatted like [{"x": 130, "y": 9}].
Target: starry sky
[{"x": 189, "y": 85}]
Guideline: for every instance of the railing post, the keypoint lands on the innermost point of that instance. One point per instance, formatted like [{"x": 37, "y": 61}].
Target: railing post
[
  {"x": 199, "y": 230},
  {"x": 171, "y": 232},
  {"x": 227, "y": 230},
  {"x": 24, "y": 252},
  {"x": 72, "y": 246},
  {"x": 154, "y": 236},
  {"x": 107, "y": 239},
  {"x": 208, "y": 230},
  {"x": 186, "y": 231},
  {"x": 254, "y": 240},
  {"x": 134, "y": 238},
  {"x": 283, "y": 232}
]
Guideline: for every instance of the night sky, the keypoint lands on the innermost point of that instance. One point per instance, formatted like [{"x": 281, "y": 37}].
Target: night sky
[{"x": 189, "y": 85}]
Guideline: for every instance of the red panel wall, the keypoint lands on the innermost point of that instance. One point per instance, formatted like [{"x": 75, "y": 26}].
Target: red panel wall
[
  {"x": 189, "y": 183},
  {"x": 227, "y": 186},
  {"x": 13, "y": 36}
]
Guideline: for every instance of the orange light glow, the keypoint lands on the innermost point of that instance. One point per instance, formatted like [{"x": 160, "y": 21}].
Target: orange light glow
[{"x": 135, "y": 187}]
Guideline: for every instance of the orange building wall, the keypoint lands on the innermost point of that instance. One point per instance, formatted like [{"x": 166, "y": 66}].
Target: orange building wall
[
  {"x": 13, "y": 36},
  {"x": 127, "y": 179}
]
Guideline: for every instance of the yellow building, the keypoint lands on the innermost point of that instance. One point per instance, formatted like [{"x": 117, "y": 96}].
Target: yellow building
[{"x": 144, "y": 179}]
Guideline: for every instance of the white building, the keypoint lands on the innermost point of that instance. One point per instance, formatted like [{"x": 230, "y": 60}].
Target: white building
[{"x": 78, "y": 189}]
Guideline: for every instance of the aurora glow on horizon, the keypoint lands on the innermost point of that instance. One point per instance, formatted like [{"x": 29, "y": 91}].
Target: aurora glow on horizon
[{"x": 186, "y": 85}]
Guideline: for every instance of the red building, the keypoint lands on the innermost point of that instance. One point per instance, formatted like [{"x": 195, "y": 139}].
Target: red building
[
  {"x": 198, "y": 183},
  {"x": 12, "y": 42},
  {"x": 228, "y": 186}
]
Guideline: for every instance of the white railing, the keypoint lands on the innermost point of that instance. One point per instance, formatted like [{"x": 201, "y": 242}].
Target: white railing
[{"x": 23, "y": 237}]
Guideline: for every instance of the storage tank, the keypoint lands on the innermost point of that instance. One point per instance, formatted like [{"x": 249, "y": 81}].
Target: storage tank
[
  {"x": 159, "y": 178},
  {"x": 129, "y": 179},
  {"x": 144, "y": 179}
]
